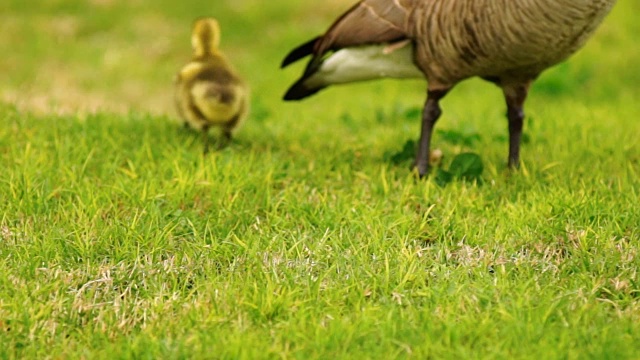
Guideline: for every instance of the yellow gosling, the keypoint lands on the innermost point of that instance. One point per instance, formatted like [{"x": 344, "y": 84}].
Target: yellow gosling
[{"x": 208, "y": 90}]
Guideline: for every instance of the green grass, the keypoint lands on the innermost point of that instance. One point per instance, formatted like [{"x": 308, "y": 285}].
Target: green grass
[{"x": 118, "y": 239}]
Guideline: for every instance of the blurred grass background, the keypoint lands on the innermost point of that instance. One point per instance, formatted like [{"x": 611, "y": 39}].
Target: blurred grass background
[{"x": 120, "y": 56}]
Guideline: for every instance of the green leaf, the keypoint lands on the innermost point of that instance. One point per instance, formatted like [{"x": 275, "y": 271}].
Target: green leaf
[
  {"x": 407, "y": 153},
  {"x": 467, "y": 166},
  {"x": 443, "y": 177}
]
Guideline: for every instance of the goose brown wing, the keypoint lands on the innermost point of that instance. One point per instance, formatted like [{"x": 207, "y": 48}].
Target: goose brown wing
[{"x": 368, "y": 22}]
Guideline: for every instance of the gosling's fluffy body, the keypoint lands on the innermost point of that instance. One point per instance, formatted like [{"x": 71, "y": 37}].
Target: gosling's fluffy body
[
  {"x": 208, "y": 90},
  {"x": 506, "y": 42}
]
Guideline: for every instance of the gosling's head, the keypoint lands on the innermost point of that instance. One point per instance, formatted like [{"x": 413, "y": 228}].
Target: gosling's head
[{"x": 205, "y": 37}]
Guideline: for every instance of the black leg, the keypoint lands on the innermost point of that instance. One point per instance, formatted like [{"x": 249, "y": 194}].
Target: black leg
[
  {"x": 227, "y": 132},
  {"x": 515, "y": 97},
  {"x": 430, "y": 115},
  {"x": 205, "y": 139},
  {"x": 226, "y": 139}
]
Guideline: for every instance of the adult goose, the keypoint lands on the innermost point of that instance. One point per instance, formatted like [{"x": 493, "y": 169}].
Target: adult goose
[{"x": 506, "y": 42}]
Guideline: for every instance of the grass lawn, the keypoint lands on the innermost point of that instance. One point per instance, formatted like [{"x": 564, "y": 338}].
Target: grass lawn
[{"x": 309, "y": 237}]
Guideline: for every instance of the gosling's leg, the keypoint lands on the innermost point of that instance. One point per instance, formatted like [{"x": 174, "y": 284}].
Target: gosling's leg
[
  {"x": 430, "y": 115},
  {"x": 226, "y": 138},
  {"x": 227, "y": 132},
  {"x": 205, "y": 139},
  {"x": 515, "y": 97}
]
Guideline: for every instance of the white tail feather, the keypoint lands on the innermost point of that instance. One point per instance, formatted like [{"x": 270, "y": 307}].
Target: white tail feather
[{"x": 366, "y": 63}]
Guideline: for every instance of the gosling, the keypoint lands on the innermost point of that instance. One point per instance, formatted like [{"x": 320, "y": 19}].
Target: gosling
[{"x": 209, "y": 92}]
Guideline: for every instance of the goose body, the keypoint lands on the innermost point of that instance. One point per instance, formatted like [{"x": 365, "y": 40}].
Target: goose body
[
  {"x": 208, "y": 91},
  {"x": 447, "y": 41}
]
